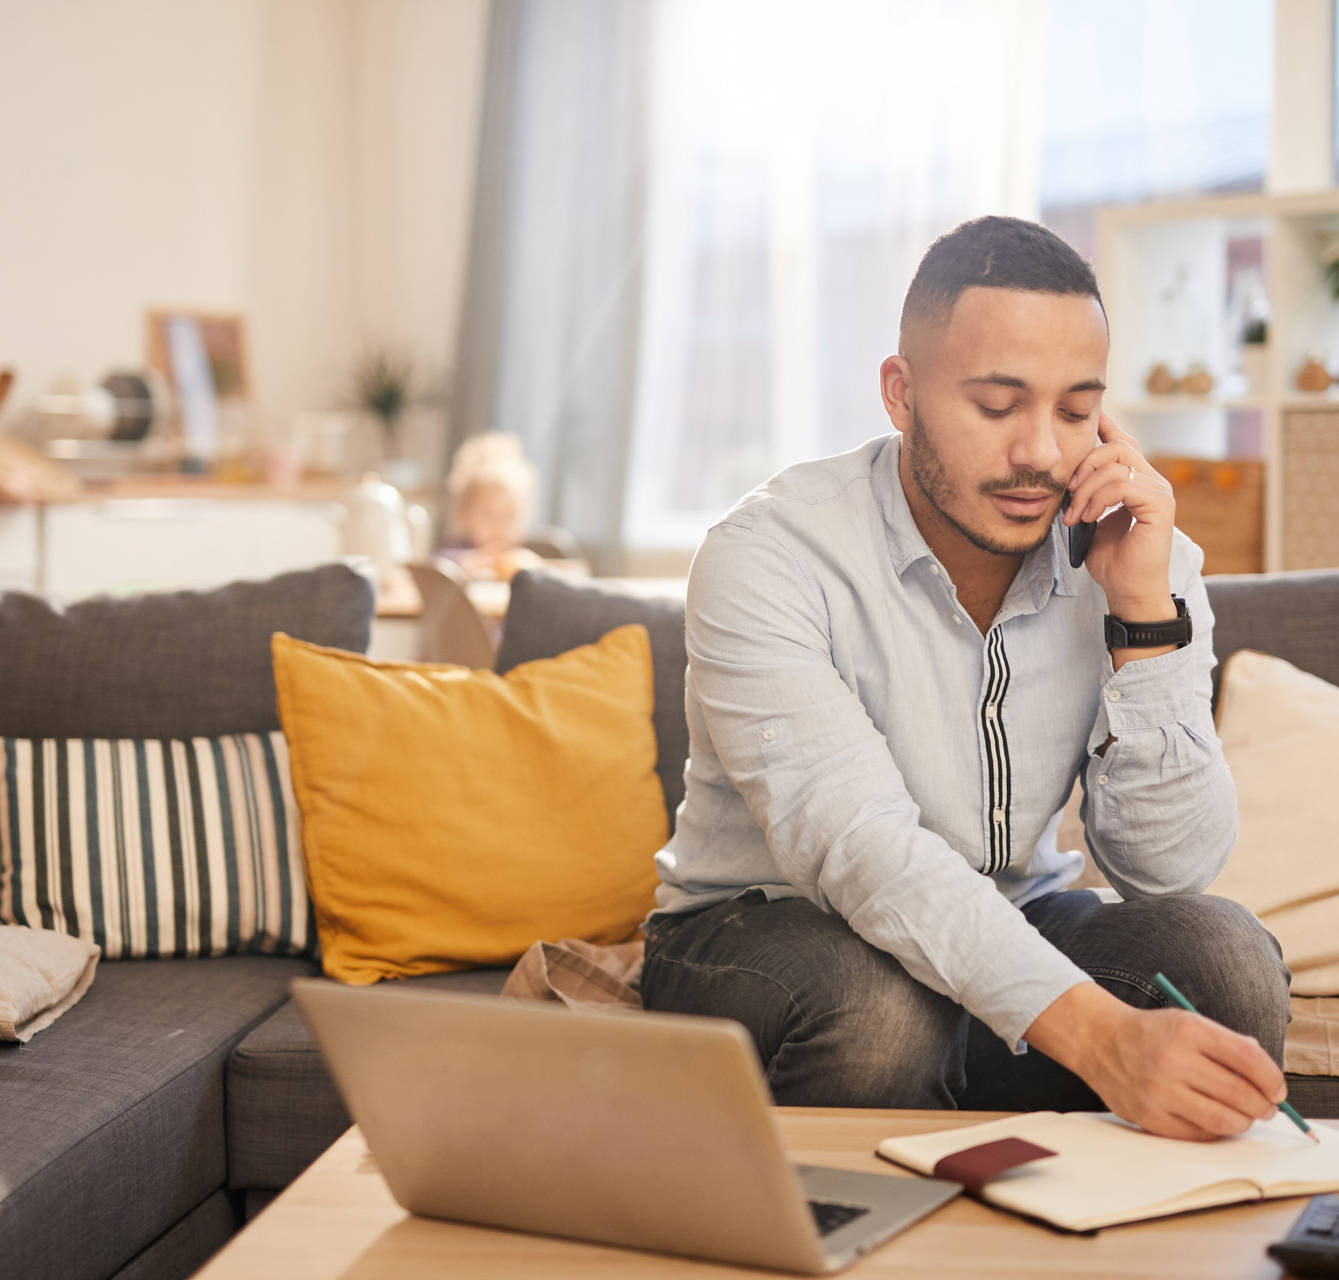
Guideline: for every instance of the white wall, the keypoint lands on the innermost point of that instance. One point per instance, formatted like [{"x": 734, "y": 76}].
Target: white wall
[{"x": 306, "y": 162}]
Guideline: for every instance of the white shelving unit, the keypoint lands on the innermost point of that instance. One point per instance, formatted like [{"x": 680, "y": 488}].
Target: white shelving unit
[{"x": 1164, "y": 273}]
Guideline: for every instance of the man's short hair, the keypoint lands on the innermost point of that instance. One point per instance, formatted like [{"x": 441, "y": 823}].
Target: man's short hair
[{"x": 993, "y": 253}]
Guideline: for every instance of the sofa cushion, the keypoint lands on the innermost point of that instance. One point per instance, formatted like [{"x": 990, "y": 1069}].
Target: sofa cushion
[
  {"x": 549, "y": 613},
  {"x": 451, "y": 817},
  {"x": 282, "y": 1106},
  {"x": 178, "y": 847},
  {"x": 1279, "y": 727},
  {"x": 113, "y": 1117},
  {"x": 179, "y": 664}
]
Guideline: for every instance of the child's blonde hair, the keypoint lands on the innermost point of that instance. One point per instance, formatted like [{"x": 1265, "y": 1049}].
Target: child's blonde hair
[{"x": 493, "y": 458}]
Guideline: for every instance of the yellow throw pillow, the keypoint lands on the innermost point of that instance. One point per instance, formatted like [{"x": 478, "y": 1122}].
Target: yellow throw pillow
[
  {"x": 450, "y": 817},
  {"x": 1279, "y": 726}
]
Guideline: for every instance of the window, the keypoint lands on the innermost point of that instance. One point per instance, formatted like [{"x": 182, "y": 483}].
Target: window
[{"x": 803, "y": 156}]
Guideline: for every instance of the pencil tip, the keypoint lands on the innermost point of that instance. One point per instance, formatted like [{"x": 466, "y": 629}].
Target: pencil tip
[{"x": 1311, "y": 1133}]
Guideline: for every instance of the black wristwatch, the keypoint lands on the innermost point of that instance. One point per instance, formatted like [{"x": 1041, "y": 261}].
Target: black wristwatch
[{"x": 1150, "y": 635}]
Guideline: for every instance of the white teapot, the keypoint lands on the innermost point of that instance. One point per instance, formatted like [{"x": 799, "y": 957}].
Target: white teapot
[{"x": 380, "y": 525}]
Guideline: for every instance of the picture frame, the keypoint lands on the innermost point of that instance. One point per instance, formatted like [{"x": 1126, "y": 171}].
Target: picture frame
[
  {"x": 223, "y": 335},
  {"x": 202, "y": 356}
]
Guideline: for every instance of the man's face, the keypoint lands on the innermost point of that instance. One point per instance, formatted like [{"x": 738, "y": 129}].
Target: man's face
[{"x": 1001, "y": 404}]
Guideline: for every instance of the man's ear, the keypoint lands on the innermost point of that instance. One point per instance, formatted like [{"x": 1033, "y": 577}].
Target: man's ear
[{"x": 895, "y": 382}]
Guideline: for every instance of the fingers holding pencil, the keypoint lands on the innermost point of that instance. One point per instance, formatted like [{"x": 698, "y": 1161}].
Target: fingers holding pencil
[{"x": 1244, "y": 1060}]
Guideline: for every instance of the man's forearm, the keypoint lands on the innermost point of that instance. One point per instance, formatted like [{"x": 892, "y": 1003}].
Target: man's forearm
[
  {"x": 1071, "y": 1028},
  {"x": 1161, "y": 805}
]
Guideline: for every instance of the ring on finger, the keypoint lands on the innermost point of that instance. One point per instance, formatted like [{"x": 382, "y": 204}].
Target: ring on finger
[{"x": 1131, "y": 473}]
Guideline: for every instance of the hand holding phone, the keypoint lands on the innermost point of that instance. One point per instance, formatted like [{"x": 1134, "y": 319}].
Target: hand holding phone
[{"x": 1130, "y": 558}]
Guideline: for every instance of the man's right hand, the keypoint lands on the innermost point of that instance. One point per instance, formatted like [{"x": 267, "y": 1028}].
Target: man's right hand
[{"x": 1169, "y": 1071}]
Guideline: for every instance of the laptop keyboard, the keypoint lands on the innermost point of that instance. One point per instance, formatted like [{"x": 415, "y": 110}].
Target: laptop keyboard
[{"x": 829, "y": 1214}]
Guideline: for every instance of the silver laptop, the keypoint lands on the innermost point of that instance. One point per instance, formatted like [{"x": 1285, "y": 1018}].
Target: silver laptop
[{"x": 651, "y": 1131}]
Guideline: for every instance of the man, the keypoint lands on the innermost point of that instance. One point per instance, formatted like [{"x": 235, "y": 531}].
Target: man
[{"x": 895, "y": 675}]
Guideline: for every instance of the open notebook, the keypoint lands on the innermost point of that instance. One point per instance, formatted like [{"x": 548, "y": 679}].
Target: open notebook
[{"x": 1091, "y": 1170}]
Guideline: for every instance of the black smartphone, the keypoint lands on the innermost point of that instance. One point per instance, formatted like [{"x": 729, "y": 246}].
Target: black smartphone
[{"x": 1080, "y": 535}]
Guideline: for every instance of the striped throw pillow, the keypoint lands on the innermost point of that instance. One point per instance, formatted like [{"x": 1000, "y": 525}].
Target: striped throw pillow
[{"x": 154, "y": 847}]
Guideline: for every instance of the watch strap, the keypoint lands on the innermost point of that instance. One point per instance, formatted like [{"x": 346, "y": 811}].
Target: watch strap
[{"x": 1150, "y": 635}]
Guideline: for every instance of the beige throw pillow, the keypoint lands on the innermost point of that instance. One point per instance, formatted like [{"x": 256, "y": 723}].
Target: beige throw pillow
[
  {"x": 1279, "y": 728},
  {"x": 42, "y": 973}
]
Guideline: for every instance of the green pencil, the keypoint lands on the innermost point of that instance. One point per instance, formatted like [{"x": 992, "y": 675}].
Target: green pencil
[{"x": 1173, "y": 994}]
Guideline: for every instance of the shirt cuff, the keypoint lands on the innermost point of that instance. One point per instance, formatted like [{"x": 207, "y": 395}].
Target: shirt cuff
[
  {"x": 1146, "y": 693},
  {"x": 1010, "y": 1008}
]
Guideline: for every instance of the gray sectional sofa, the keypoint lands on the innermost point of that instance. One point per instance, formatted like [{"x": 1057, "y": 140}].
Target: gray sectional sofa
[
  {"x": 114, "y": 1121},
  {"x": 139, "y": 1130}
]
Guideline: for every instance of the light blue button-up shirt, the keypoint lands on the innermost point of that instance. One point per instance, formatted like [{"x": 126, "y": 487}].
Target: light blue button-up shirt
[{"x": 855, "y": 739}]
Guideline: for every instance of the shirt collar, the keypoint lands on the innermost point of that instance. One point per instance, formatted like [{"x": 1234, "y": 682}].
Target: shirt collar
[{"x": 1045, "y": 571}]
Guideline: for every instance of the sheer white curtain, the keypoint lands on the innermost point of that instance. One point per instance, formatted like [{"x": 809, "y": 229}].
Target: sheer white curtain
[
  {"x": 801, "y": 158},
  {"x": 549, "y": 332}
]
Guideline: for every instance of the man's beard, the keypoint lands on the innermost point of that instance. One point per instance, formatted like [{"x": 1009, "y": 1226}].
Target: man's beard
[{"x": 931, "y": 477}]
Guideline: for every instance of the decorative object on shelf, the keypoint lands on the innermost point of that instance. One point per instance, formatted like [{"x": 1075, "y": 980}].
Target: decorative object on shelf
[
  {"x": 1198, "y": 381},
  {"x": 1255, "y": 355},
  {"x": 1161, "y": 381},
  {"x": 380, "y": 525},
  {"x": 385, "y": 388},
  {"x": 124, "y": 407},
  {"x": 223, "y": 337},
  {"x": 1313, "y": 375},
  {"x": 382, "y": 386},
  {"x": 323, "y": 442},
  {"x": 202, "y": 354},
  {"x": 1179, "y": 471}
]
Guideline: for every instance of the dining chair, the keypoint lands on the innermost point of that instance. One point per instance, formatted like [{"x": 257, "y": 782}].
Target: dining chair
[{"x": 451, "y": 628}]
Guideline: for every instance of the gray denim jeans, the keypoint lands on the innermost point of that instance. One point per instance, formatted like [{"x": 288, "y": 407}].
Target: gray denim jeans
[{"x": 839, "y": 1023}]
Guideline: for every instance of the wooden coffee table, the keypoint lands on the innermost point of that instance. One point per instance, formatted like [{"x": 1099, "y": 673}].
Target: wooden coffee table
[{"x": 338, "y": 1220}]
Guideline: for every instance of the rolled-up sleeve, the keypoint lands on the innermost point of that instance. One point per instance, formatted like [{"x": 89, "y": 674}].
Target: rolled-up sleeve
[
  {"x": 819, "y": 779},
  {"x": 1160, "y": 809}
]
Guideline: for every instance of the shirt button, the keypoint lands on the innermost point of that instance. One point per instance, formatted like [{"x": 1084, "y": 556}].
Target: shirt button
[
  {"x": 990, "y": 713},
  {"x": 768, "y": 735},
  {"x": 999, "y": 815},
  {"x": 1102, "y": 779},
  {"x": 934, "y": 568},
  {"x": 1114, "y": 695},
  {"x": 957, "y": 621}
]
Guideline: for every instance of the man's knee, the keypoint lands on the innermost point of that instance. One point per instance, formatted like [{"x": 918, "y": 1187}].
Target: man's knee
[
  {"x": 1228, "y": 965},
  {"x": 888, "y": 1042},
  {"x": 863, "y": 1033},
  {"x": 836, "y": 1022}
]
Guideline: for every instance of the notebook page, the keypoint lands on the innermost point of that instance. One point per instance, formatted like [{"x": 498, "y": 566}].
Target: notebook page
[
  {"x": 1270, "y": 1153},
  {"x": 1107, "y": 1171}
]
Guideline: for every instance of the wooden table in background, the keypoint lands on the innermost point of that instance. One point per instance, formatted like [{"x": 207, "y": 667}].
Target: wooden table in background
[{"x": 338, "y": 1220}]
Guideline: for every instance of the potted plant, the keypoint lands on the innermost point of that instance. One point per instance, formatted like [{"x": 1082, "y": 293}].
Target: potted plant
[
  {"x": 382, "y": 388},
  {"x": 385, "y": 389}
]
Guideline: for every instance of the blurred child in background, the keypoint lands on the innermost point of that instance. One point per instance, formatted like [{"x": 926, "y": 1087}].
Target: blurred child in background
[{"x": 490, "y": 500}]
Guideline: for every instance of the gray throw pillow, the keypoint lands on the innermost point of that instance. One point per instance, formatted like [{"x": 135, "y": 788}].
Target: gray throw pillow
[
  {"x": 180, "y": 664},
  {"x": 549, "y": 614}
]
